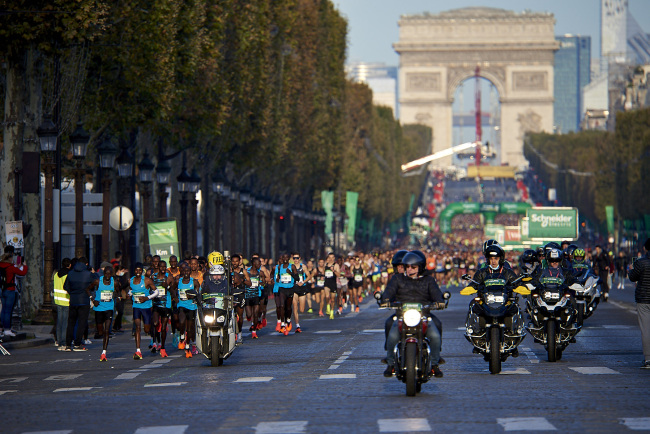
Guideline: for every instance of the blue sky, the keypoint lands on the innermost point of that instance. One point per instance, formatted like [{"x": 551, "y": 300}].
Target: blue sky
[{"x": 373, "y": 23}]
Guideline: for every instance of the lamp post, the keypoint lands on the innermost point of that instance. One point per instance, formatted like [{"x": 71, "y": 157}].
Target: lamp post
[
  {"x": 218, "y": 188},
  {"x": 277, "y": 209},
  {"x": 79, "y": 140},
  {"x": 244, "y": 196},
  {"x": 183, "y": 184},
  {"x": 195, "y": 184},
  {"x": 163, "y": 170},
  {"x": 107, "y": 152},
  {"x": 47, "y": 136},
  {"x": 259, "y": 209},
  {"x": 234, "y": 198},
  {"x": 145, "y": 176},
  {"x": 251, "y": 224},
  {"x": 124, "y": 163},
  {"x": 269, "y": 221}
]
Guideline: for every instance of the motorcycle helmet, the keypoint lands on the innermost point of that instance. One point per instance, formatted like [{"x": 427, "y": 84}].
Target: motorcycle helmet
[
  {"x": 487, "y": 244},
  {"x": 492, "y": 251},
  {"x": 527, "y": 261},
  {"x": 216, "y": 273},
  {"x": 420, "y": 254},
  {"x": 568, "y": 252},
  {"x": 398, "y": 257},
  {"x": 551, "y": 245},
  {"x": 412, "y": 258},
  {"x": 540, "y": 252},
  {"x": 215, "y": 258},
  {"x": 579, "y": 254},
  {"x": 554, "y": 255}
]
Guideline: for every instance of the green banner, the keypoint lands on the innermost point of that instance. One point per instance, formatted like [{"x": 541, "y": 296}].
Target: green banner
[
  {"x": 327, "y": 199},
  {"x": 163, "y": 239},
  {"x": 609, "y": 213},
  {"x": 351, "y": 201},
  {"x": 553, "y": 223}
]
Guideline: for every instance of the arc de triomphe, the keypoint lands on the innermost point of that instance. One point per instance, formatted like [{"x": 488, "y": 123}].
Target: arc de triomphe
[{"x": 513, "y": 50}]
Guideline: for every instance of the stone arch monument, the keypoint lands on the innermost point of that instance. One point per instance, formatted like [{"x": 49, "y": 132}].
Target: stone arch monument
[{"x": 515, "y": 51}]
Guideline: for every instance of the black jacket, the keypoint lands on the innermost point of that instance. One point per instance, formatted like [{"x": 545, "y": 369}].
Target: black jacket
[
  {"x": 76, "y": 283},
  {"x": 640, "y": 273},
  {"x": 487, "y": 273},
  {"x": 406, "y": 290}
]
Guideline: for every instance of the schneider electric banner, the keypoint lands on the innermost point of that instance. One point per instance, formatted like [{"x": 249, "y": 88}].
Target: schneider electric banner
[
  {"x": 163, "y": 239},
  {"x": 552, "y": 223}
]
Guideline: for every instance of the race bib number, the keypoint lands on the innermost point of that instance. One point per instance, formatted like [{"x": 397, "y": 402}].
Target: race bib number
[
  {"x": 447, "y": 266},
  {"x": 255, "y": 282},
  {"x": 384, "y": 274},
  {"x": 162, "y": 292},
  {"x": 182, "y": 295},
  {"x": 285, "y": 278},
  {"x": 329, "y": 274},
  {"x": 137, "y": 295},
  {"x": 358, "y": 278},
  {"x": 106, "y": 296},
  {"x": 320, "y": 282}
]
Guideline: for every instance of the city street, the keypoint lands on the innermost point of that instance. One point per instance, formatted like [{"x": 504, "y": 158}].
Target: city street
[{"x": 329, "y": 379}]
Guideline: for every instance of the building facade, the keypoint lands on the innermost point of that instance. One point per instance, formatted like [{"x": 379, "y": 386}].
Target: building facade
[{"x": 572, "y": 73}]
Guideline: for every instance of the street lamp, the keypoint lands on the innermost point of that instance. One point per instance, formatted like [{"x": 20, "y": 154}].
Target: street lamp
[
  {"x": 107, "y": 152},
  {"x": 145, "y": 176},
  {"x": 218, "y": 190},
  {"x": 244, "y": 197},
  {"x": 234, "y": 198},
  {"x": 183, "y": 184},
  {"x": 195, "y": 185},
  {"x": 125, "y": 169},
  {"x": 163, "y": 171},
  {"x": 47, "y": 136},
  {"x": 79, "y": 140}
]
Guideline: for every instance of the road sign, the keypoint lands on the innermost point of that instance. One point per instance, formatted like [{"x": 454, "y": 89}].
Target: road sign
[{"x": 120, "y": 218}]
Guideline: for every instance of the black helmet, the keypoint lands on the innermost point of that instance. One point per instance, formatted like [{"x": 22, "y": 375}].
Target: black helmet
[
  {"x": 554, "y": 255},
  {"x": 568, "y": 252},
  {"x": 397, "y": 257},
  {"x": 551, "y": 245},
  {"x": 412, "y": 258},
  {"x": 420, "y": 254},
  {"x": 540, "y": 251},
  {"x": 527, "y": 261},
  {"x": 495, "y": 250},
  {"x": 489, "y": 243}
]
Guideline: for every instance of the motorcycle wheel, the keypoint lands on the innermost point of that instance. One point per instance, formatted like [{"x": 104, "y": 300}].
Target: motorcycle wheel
[
  {"x": 581, "y": 314},
  {"x": 409, "y": 364},
  {"x": 551, "y": 344},
  {"x": 495, "y": 354},
  {"x": 215, "y": 351}
]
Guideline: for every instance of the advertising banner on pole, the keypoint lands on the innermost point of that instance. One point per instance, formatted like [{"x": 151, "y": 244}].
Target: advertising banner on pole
[
  {"x": 327, "y": 199},
  {"x": 351, "y": 201},
  {"x": 609, "y": 213},
  {"x": 14, "y": 234},
  {"x": 552, "y": 223},
  {"x": 163, "y": 239}
]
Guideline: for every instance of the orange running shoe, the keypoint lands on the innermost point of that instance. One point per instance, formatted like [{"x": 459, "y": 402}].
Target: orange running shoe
[
  {"x": 285, "y": 332},
  {"x": 340, "y": 310},
  {"x": 259, "y": 326},
  {"x": 181, "y": 345},
  {"x": 188, "y": 354},
  {"x": 298, "y": 330},
  {"x": 254, "y": 335},
  {"x": 320, "y": 313},
  {"x": 289, "y": 327},
  {"x": 264, "y": 322},
  {"x": 137, "y": 355},
  {"x": 163, "y": 353},
  {"x": 357, "y": 309},
  {"x": 282, "y": 330},
  {"x": 103, "y": 358},
  {"x": 278, "y": 328}
]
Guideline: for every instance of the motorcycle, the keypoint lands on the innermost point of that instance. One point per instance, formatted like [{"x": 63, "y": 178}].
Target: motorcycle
[
  {"x": 494, "y": 324},
  {"x": 553, "y": 318},
  {"x": 216, "y": 321},
  {"x": 587, "y": 294},
  {"x": 412, "y": 352}
]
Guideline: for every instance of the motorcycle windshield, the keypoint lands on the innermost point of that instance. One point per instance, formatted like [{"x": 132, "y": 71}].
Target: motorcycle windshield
[{"x": 407, "y": 306}]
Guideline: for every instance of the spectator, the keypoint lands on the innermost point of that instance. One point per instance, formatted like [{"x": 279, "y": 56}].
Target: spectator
[
  {"x": 117, "y": 260},
  {"x": 622, "y": 263},
  {"x": 640, "y": 273},
  {"x": 601, "y": 268},
  {"x": 78, "y": 279},
  {"x": 8, "y": 273},
  {"x": 62, "y": 302}
]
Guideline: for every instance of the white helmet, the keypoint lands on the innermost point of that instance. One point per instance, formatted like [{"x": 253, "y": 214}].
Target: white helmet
[{"x": 217, "y": 269}]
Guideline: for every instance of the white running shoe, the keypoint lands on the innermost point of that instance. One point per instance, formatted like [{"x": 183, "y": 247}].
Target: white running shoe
[
  {"x": 9, "y": 333},
  {"x": 88, "y": 342}
]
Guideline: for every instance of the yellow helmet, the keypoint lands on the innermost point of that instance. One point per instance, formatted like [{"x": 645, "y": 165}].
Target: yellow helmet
[{"x": 215, "y": 258}]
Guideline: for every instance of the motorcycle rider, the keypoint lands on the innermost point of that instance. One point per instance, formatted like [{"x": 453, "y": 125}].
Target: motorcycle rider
[
  {"x": 553, "y": 273},
  {"x": 529, "y": 263},
  {"x": 413, "y": 287}
]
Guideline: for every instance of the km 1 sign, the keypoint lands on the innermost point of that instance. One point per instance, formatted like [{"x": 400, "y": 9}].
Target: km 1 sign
[{"x": 552, "y": 223}]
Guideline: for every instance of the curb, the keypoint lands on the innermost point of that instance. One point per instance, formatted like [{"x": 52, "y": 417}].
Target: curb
[{"x": 27, "y": 343}]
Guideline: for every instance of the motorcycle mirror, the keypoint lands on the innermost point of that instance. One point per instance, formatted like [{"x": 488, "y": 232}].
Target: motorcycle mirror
[
  {"x": 377, "y": 295},
  {"x": 468, "y": 290},
  {"x": 446, "y": 295},
  {"x": 466, "y": 277}
]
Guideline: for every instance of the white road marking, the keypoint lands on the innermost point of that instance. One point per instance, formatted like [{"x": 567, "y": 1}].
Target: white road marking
[
  {"x": 336, "y": 376},
  {"x": 76, "y": 389},
  {"x": 170, "y": 429},
  {"x": 532, "y": 358},
  {"x": 63, "y": 377},
  {"x": 594, "y": 370},
  {"x": 175, "y": 356},
  {"x": 347, "y": 353},
  {"x": 18, "y": 363},
  {"x": 327, "y": 332},
  {"x": 284, "y": 427},
  {"x": 127, "y": 376},
  {"x": 341, "y": 359},
  {"x": 518, "y": 371},
  {"x": 254, "y": 380},
  {"x": 65, "y": 360},
  {"x": 403, "y": 425},
  {"x": 526, "y": 424},
  {"x": 636, "y": 423},
  {"x": 63, "y": 431},
  {"x": 13, "y": 379},
  {"x": 374, "y": 331},
  {"x": 161, "y": 361},
  {"x": 151, "y": 365},
  {"x": 461, "y": 328},
  {"x": 2, "y": 392},
  {"x": 180, "y": 383},
  {"x": 615, "y": 326},
  {"x": 334, "y": 366}
]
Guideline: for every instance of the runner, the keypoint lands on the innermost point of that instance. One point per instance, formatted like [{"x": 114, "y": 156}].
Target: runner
[
  {"x": 332, "y": 272},
  {"x": 175, "y": 273},
  {"x": 253, "y": 293},
  {"x": 197, "y": 272},
  {"x": 356, "y": 282},
  {"x": 240, "y": 280},
  {"x": 102, "y": 293},
  {"x": 162, "y": 308},
  {"x": 310, "y": 285},
  {"x": 285, "y": 276},
  {"x": 186, "y": 309},
  {"x": 142, "y": 291},
  {"x": 266, "y": 291},
  {"x": 319, "y": 286},
  {"x": 300, "y": 291}
]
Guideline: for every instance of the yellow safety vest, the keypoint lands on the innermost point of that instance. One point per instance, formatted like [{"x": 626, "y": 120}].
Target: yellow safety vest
[{"x": 61, "y": 297}]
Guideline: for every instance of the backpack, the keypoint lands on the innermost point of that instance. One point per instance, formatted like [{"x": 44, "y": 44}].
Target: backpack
[{"x": 3, "y": 278}]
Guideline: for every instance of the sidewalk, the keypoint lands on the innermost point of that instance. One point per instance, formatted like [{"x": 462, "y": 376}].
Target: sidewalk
[{"x": 29, "y": 336}]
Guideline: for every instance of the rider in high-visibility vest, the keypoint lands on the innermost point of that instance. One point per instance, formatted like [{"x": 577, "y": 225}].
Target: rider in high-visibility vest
[{"x": 62, "y": 301}]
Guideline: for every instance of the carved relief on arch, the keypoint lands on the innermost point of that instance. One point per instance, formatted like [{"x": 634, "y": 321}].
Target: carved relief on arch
[
  {"x": 496, "y": 75},
  {"x": 529, "y": 122},
  {"x": 423, "y": 118}
]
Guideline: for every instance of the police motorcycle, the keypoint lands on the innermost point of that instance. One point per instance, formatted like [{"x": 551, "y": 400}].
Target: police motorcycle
[
  {"x": 412, "y": 352},
  {"x": 216, "y": 322},
  {"x": 494, "y": 324},
  {"x": 587, "y": 294},
  {"x": 552, "y": 314}
]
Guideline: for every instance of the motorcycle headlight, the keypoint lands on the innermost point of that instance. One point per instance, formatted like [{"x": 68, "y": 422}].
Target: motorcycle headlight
[
  {"x": 221, "y": 318},
  {"x": 411, "y": 317},
  {"x": 209, "y": 319}
]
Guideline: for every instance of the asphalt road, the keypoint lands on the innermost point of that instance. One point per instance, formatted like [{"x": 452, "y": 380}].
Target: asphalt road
[{"x": 329, "y": 380}]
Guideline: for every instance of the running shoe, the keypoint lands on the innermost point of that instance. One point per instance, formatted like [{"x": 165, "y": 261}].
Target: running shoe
[
  {"x": 248, "y": 318},
  {"x": 320, "y": 313},
  {"x": 153, "y": 349},
  {"x": 61, "y": 348},
  {"x": 331, "y": 314},
  {"x": 298, "y": 330},
  {"x": 340, "y": 311},
  {"x": 103, "y": 358},
  {"x": 264, "y": 322},
  {"x": 289, "y": 327},
  {"x": 79, "y": 348},
  {"x": 137, "y": 355},
  {"x": 360, "y": 299},
  {"x": 254, "y": 335},
  {"x": 163, "y": 353},
  {"x": 329, "y": 309},
  {"x": 357, "y": 309},
  {"x": 188, "y": 354},
  {"x": 435, "y": 370},
  {"x": 181, "y": 345},
  {"x": 9, "y": 333},
  {"x": 310, "y": 310},
  {"x": 251, "y": 328},
  {"x": 151, "y": 343},
  {"x": 278, "y": 328},
  {"x": 259, "y": 326},
  {"x": 87, "y": 342},
  {"x": 194, "y": 350},
  {"x": 285, "y": 332},
  {"x": 67, "y": 349}
]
